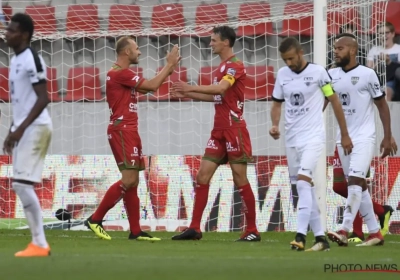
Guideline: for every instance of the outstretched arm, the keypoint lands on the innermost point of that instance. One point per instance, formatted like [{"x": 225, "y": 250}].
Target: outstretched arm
[{"x": 200, "y": 96}]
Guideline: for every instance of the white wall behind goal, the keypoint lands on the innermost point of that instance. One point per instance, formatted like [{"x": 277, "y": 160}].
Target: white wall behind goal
[{"x": 170, "y": 128}]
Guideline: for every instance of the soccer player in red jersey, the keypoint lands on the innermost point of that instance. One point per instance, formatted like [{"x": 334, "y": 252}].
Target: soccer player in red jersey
[
  {"x": 384, "y": 212},
  {"x": 230, "y": 139},
  {"x": 122, "y": 87}
]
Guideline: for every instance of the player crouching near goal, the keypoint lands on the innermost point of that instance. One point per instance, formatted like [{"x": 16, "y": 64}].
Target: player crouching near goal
[
  {"x": 358, "y": 88},
  {"x": 230, "y": 139},
  {"x": 303, "y": 86},
  {"x": 122, "y": 88}
]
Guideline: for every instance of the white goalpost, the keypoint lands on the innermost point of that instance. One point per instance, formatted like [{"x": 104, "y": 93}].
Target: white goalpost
[{"x": 76, "y": 39}]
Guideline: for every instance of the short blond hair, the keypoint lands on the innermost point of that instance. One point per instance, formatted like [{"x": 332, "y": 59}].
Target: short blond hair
[{"x": 122, "y": 43}]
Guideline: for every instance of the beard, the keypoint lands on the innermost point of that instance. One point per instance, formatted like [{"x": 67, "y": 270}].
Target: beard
[{"x": 343, "y": 62}]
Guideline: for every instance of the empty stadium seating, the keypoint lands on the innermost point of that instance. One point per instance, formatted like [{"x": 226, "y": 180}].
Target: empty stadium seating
[
  {"x": 251, "y": 11},
  {"x": 4, "y": 92},
  {"x": 124, "y": 17},
  {"x": 76, "y": 16},
  {"x": 83, "y": 84},
  {"x": 44, "y": 19}
]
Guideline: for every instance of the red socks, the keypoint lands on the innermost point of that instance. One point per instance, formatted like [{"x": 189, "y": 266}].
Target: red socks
[
  {"x": 249, "y": 203},
  {"x": 132, "y": 207},
  {"x": 113, "y": 195},
  {"x": 200, "y": 202}
]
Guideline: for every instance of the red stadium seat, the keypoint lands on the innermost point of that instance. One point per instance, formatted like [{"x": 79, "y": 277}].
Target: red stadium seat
[
  {"x": 163, "y": 93},
  {"x": 124, "y": 17},
  {"x": 301, "y": 25},
  {"x": 206, "y": 75},
  {"x": 83, "y": 84},
  {"x": 392, "y": 15},
  {"x": 168, "y": 16},
  {"x": 208, "y": 15},
  {"x": 7, "y": 11},
  {"x": 76, "y": 14},
  {"x": 52, "y": 85},
  {"x": 343, "y": 17},
  {"x": 259, "y": 82},
  {"x": 251, "y": 11},
  {"x": 44, "y": 18},
  {"x": 4, "y": 91}
]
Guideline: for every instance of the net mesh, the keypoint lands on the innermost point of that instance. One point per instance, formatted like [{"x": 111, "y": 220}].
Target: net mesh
[{"x": 77, "y": 39}]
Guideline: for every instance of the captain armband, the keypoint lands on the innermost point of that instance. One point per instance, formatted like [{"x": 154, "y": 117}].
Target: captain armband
[
  {"x": 327, "y": 90},
  {"x": 229, "y": 78}
]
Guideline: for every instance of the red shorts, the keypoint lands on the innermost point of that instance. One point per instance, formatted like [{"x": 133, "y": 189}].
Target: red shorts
[
  {"x": 127, "y": 148},
  {"x": 231, "y": 145}
]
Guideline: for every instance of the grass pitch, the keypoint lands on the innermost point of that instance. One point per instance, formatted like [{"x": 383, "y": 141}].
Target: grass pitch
[{"x": 81, "y": 255}]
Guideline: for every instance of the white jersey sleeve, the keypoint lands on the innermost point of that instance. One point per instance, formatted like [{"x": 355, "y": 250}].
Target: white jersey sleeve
[
  {"x": 277, "y": 94},
  {"x": 374, "y": 86},
  {"x": 35, "y": 68},
  {"x": 325, "y": 79}
]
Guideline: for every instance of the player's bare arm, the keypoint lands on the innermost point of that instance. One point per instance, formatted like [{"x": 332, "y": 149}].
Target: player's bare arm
[
  {"x": 338, "y": 111},
  {"x": 153, "y": 84},
  {"x": 384, "y": 114},
  {"x": 41, "y": 103},
  {"x": 218, "y": 89},
  {"x": 275, "y": 118},
  {"x": 325, "y": 104},
  {"x": 178, "y": 92}
]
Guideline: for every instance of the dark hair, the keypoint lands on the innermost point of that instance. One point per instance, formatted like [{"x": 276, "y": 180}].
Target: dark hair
[
  {"x": 226, "y": 33},
  {"x": 122, "y": 43},
  {"x": 346, "y": 27},
  {"x": 346, "y": 35},
  {"x": 25, "y": 23},
  {"x": 289, "y": 43},
  {"x": 390, "y": 26}
]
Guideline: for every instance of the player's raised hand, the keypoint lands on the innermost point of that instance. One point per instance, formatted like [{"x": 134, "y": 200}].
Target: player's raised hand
[
  {"x": 394, "y": 146},
  {"x": 386, "y": 147},
  {"x": 347, "y": 145},
  {"x": 274, "y": 132},
  {"x": 173, "y": 56}
]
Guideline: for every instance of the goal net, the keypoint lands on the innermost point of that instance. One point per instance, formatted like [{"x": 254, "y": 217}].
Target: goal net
[{"x": 76, "y": 39}]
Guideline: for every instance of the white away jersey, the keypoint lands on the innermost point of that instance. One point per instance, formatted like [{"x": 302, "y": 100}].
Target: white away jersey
[
  {"x": 26, "y": 69},
  {"x": 357, "y": 88},
  {"x": 304, "y": 99}
]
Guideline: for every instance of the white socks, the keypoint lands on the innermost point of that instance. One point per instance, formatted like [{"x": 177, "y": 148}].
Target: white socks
[
  {"x": 367, "y": 212},
  {"x": 304, "y": 206},
  {"x": 353, "y": 202},
  {"x": 33, "y": 212},
  {"x": 315, "y": 218}
]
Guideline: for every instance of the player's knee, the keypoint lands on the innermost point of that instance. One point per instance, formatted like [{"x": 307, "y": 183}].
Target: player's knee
[
  {"x": 239, "y": 178},
  {"x": 357, "y": 182},
  {"x": 203, "y": 178},
  {"x": 130, "y": 183}
]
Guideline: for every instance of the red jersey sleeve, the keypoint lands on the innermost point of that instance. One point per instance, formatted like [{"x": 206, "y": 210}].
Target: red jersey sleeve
[
  {"x": 129, "y": 78},
  {"x": 234, "y": 72}
]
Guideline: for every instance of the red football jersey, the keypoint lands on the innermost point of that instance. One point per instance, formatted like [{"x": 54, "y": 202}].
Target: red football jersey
[
  {"x": 122, "y": 97},
  {"x": 229, "y": 107}
]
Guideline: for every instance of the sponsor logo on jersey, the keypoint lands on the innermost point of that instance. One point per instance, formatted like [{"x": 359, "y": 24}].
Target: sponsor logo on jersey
[
  {"x": 296, "y": 99},
  {"x": 344, "y": 98}
]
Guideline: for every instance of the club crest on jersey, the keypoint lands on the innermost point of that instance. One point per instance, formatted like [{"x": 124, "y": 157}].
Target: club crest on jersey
[
  {"x": 296, "y": 99},
  {"x": 222, "y": 68},
  {"x": 308, "y": 80},
  {"x": 344, "y": 98},
  {"x": 354, "y": 80}
]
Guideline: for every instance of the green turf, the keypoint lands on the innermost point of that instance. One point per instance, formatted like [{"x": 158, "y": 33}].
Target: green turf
[{"x": 80, "y": 255}]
